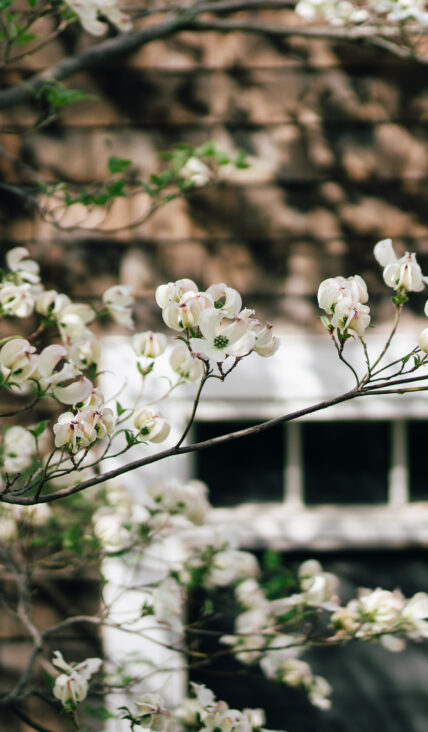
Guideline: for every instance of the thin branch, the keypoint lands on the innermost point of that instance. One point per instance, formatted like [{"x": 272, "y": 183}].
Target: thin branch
[
  {"x": 398, "y": 309},
  {"x": 196, "y": 447},
  {"x": 195, "y": 406},
  {"x": 183, "y": 19},
  {"x": 25, "y": 718}
]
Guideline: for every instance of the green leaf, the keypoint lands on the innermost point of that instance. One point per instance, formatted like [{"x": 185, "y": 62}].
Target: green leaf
[
  {"x": 39, "y": 428},
  {"x": 119, "y": 409},
  {"x": 130, "y": 438},
  {"x": 221, "y": 158},
  {"x": 59, "y": 96},
  {"x": 4, "y": 4},
  {"x": 271, "y": 559},
  {"x": 241, "y": 160},
  {"x": 98, "y": 712},
  {"x": 116, "y": 188},
  {"x": 117, "y": 165},
  {"x": 207, "y": 150}
]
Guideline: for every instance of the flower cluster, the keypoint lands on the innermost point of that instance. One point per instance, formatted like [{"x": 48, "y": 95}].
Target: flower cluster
[
  {"x": 201, "y": 712},
  {"x": 343, "y": 299},
  {"x": 345, "y": 12},
  {"x": 402, "y": 274},
  {"x": 380, "y": 612},
  {"x": 214, "y": 322},
  {"x": 335, "y": 12}
]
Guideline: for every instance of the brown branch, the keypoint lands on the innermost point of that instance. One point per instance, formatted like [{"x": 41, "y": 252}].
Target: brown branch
[
  {"x": 196, "y": 447},
  {"x": 185, "y": 19},
  {"x": 30, "y": 722}
]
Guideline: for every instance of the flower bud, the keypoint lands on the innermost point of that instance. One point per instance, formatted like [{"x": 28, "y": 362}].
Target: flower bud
[
  {"x": 150, "y": 424},
  {"x": 149, "y": 344}
]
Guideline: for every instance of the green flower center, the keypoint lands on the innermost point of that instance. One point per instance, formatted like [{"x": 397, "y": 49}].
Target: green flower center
[{"x": 221, "y": 341}]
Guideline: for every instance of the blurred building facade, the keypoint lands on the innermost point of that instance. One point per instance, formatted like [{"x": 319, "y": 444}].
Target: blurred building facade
[{"x": 336, "y": 138}]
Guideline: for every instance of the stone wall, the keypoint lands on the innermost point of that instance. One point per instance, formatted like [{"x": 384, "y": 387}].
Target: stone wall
[{"x": 337, "y": 140}]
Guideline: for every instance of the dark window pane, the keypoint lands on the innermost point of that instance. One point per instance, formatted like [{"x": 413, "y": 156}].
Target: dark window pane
[
  {"x": 417, "y": 444},
  {"x": 245, "y": 470},
  {"x": 346, "y": 462}
]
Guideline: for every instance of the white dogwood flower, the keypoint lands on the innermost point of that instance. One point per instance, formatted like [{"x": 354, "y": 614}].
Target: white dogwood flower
[
  {"x": 71, "y": 687},
  {"x": 400, "y": 273},
  {"x": 149, "y": 344},
  {"x": 186, "y": 313},
  {"x": 118, "y": 301},
  {"x": 67, "y": 383},
  {"x": 167, "y": 603},
  {"x": 51, "y": 302},
  {"x": 195, "y": 171},
  {"x": 16, "y": 300},
  {"x": 88, "y": 11},
  {"x": 221, "y": 340},
  {"x": 18, "y": 360},
  {"x": 184, "y": 364},
  {"x": 150, "y": 424},
  {"x": 19, "y": 446},
  {"x": 174, "y": 291},
  {"x": 225, "y": 298},
  {"x": 73, "y": 431},
  {"x": 25, "y": 269}
]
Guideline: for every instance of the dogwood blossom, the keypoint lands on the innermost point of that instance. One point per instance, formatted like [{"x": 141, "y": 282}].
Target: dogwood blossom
[
  {"x": 25, "y": 269},
  {"x": 335, "y": 12},
  {"x": 266, "y": 343},
  {"x": 174, "y": 291},
  {"x": 195, "y": 171},
  {"x": 18, "y": 360},
  {"x": 185, "y": 364},
  {"x": 16, "y": 300},
  {"x": 88, "y": 11},
  {"x": 225, "y": 298},
  {"x": 52, "y": 303},
  {"x": 221, "y": 339},
  {"x": 152, "y": 712},
  {"x": 344, "y": 299},
  {"x": 402, "y": 273},
  {"x": 73, "y": 431},
  {"x": 109, "y": 530},
  {"x": 71, "y": 687},
  {"x": 167, "y": 603},
  {"x": 188, "y": 499},
  {"x": 230, "y": 566},
  {"x": 186, "y": 313},
  {"x": 83, "y": 353},
  {"x": 149, "y": 344},
  {"x": 150, "y": 424},
  {"x": 19, "y": 447},
  {"x": 402, "y": 10},
  {"x": 118, "y": 301},
  {"x": 65, "y": 380}
]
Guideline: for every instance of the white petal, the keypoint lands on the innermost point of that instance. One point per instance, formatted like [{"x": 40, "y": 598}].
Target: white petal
[{"x": 384, "y": 252}]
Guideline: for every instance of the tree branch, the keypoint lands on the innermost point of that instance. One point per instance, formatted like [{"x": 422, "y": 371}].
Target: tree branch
[
  {"x": 196, "y": 447},
  {"x": 185, "y": 19}
]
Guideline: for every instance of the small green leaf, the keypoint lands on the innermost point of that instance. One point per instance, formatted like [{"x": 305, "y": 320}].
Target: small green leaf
[
  {"x": 221, "y": 158},
  {"x": 39, "y": 428},
  {"x": 98, "y": 712},
  {"x": 117, "y": 165},
  {"x": 241, "y": 160},
  {"x": 207, "y": 150},
  {"x": 119, "y": 409},
  {"x": 130, "y": 438}
]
